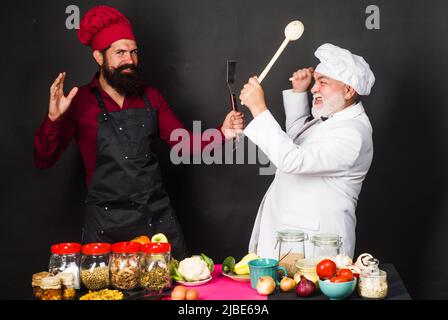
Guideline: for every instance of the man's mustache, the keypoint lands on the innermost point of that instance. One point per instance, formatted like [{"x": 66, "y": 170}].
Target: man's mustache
[{"x": 129, "y": 66}]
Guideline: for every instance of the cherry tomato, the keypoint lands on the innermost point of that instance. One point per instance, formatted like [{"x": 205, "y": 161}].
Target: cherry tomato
[
  {"x": 326, "y": 269},
  {"x": 345, "y": 273},
  {"x": 338, "y": 279}
]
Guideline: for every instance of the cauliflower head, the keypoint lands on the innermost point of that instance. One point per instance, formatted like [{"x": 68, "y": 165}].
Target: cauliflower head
[{"x": 194, "y": 269}]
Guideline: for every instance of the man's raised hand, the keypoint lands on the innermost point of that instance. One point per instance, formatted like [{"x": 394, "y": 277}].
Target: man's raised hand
[{"x": 58, "y": 102}]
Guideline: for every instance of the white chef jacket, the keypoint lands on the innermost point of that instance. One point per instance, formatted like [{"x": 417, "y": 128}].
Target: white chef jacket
[{"x": 319, "y": 174}]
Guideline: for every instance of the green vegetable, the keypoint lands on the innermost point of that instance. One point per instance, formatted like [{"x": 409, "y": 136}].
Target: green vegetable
[
  {"x": 174, "y": 272},
  {"x": 174, "y": 264},
  {"x": 228, "y": 264},
  {"x": 209, "y": 262}
]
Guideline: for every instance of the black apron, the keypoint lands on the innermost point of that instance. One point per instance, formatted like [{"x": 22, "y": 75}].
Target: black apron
[{"x": 126, "y": 197}]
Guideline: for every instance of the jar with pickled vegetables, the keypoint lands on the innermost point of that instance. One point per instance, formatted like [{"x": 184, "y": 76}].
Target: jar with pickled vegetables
[
  {"x": 154, "y": 267},
  {"x": 124, "y": 265}
]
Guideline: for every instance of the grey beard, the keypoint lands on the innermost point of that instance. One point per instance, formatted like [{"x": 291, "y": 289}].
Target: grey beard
[{"x": 323, "y": 111}]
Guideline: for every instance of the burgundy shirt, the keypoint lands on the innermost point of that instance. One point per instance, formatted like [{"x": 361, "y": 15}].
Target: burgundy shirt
[{"x": 80, "y": 121}]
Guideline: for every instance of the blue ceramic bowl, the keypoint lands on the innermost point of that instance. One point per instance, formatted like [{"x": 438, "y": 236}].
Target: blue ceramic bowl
[{"x": 337, "y": 290}]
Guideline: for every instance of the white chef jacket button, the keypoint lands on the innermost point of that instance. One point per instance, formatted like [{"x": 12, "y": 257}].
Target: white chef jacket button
[
  {"x": 125, "y": 157},
  {"x": 106, "y": 208},
  {"x": 120, "y": 128}
]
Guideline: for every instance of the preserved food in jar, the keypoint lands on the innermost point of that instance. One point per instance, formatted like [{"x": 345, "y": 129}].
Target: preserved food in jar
[
  {"x": 154, "y": 266},
  {"x": 65, "y": 258},
  {"x": 95, "y": 266},
  {"x": 36, "y": 281},
  {"x": 124, "y": 269},
  {"x": 67, "y": 285},
  {"x": 291, "y": 248},
  {"x": 51, "y": 288}
]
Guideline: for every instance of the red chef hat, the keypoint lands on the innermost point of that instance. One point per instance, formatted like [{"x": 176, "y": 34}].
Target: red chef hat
[{"x": 102, "y": 25}]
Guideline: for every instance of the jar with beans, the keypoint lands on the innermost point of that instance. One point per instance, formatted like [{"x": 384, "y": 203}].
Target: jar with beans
[{"x": 95, "y": 266}]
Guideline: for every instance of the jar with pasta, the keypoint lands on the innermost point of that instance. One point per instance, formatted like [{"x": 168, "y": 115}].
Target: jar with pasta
[
  {"x": 373, "y": 284},
  {"x": 124, "y": 265}
]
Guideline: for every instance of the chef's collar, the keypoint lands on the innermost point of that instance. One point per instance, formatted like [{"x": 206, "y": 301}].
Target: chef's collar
[{"x": 349, "y": 112}]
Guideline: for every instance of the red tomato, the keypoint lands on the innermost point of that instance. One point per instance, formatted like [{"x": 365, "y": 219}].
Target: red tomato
[
  {"x": 338, "y": 279},
  {"x": 345, "y": 273},
  {"x": 326, "y": 269}
]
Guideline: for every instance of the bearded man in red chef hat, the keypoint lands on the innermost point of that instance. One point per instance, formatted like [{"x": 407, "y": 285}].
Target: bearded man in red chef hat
[{"x": 116, "y": 119}]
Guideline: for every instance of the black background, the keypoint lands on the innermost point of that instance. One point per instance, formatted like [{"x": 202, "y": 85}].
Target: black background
[{"x": 183, "y": 48}]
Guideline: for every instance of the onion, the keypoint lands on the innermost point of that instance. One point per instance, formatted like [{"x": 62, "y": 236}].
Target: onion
[
  {"x": 305, "y": 288},
  {"x": 287, "y": 284},
  {"x": 265, "y": 285}
]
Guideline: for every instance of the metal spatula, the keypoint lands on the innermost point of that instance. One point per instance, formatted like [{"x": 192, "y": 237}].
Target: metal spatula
[{"x": 231, "y": 70}]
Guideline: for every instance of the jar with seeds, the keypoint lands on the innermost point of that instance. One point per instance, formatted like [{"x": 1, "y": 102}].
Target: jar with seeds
[
  {"x": 154, "y": 267},
  {"x": 95, "y": 266}
]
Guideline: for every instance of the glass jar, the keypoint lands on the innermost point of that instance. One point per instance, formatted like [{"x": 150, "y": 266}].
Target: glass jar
[
  {"x": 36, "y": 281},
  {"x": 154, "y": 267},
  {"x": 291, "y": 247},
  {"x": 67, "y": 285},
  {"x": 123, "y": 265},
  {"x": 307, "y": 268},
  {"x": 326, "y": 245},
  {"x": 95, "y": 266},
  {"x": 65, "y": 257},
  {"x": 373, "y": 285},
  {"x": 51, "y": 288}
]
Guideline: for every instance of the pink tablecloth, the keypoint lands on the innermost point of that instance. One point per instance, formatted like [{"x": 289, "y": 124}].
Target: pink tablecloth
[{"x": 223, "y": 288}]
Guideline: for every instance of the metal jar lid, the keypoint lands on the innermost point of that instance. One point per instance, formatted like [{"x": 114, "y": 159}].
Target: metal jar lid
[
  {"x": 327, "y": 239},
  {"x": 291, "y": 235}
]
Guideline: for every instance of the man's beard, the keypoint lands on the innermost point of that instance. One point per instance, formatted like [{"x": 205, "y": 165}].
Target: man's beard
[
  {"x": 328, "y": 106},
  {"x": 126, "y": 84}
]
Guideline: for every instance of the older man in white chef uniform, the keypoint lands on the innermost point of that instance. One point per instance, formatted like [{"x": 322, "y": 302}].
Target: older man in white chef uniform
[{"x": 322, "y": 159}]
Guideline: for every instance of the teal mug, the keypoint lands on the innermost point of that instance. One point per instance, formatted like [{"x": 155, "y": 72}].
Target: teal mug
[{"x": 264, "y": 267}]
